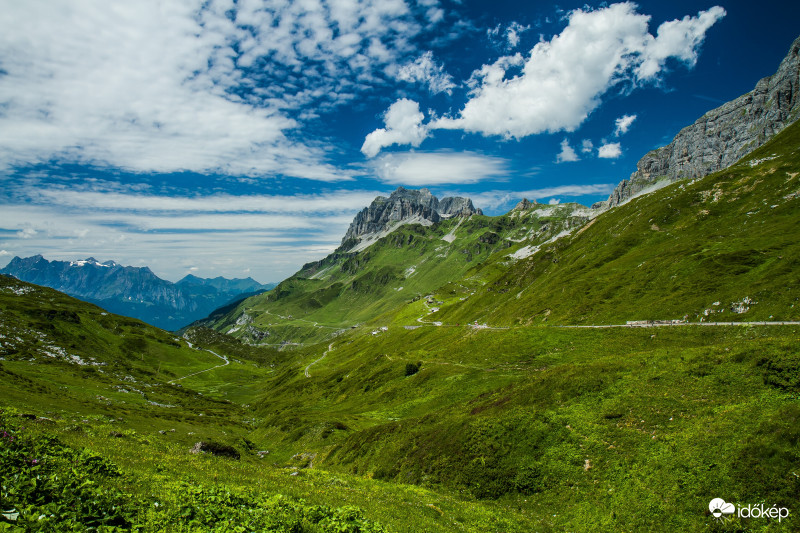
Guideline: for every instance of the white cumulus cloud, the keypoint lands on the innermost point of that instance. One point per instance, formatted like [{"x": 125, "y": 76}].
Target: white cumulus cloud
[
  {"x": 587, "y": 147},
  {"x": 609, "y": 151},
  {"x": 403, "y": 122},
  {"x": 567, "y": 153},
  {"x": 562, "y": 80},
  {"x": 623, "y": 124}
]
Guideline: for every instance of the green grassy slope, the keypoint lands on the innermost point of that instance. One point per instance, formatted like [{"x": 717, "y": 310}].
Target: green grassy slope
[
  {"x": 594, "y": 426},
  {"x": 701, "y": 250},
  {"x": 61, "y": 355},
  {"x": 94, "y": 435},
  {"x": 345, "y": 288}
]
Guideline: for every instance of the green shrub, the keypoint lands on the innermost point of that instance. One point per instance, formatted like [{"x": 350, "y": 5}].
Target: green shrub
[{"x": 412, "y": 368}]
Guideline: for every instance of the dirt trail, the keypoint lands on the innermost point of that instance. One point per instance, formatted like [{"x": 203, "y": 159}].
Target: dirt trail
[
  {"x": 224, "y": 358},
  {"x": 330, "y": 347}
]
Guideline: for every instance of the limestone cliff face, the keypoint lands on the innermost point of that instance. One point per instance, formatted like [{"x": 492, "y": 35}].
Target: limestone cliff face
[
  {"x": 723, "y": 135},
  {"x": 404, "y": 204}
]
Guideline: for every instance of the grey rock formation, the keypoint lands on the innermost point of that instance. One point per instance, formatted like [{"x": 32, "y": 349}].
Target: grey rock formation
[
  {"x": 405, "y": 204},
  {"x": 722, "y": 136},
  {"x": 457, "y": 206},
  {"x": 524, "y": 205}
]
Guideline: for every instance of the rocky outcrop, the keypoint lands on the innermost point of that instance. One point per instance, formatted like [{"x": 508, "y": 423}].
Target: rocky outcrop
[
  {"x": 457, "y": 206},
  {"x": 406, "y": 205},
  {"x": 722, "y": 136},
  {"x": 524, "y": 205}
]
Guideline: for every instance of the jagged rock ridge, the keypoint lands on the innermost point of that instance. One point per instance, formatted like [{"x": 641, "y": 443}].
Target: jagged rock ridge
[
  {"x": 722, "y": 136},
  {"x": 406, "y": 205}
]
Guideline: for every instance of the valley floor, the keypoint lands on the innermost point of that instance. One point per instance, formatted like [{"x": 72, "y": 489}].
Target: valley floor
[{"x": 534, "y": 428}]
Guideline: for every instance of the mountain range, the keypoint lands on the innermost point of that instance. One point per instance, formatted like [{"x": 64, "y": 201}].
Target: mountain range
[
  {"x": 403, "y": 247},
  {"x": 134, "y": 291},
  {"x": 556, "y": 368}
]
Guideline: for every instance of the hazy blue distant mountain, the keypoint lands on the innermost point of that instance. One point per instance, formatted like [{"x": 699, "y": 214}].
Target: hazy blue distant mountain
[
  {"x": 134, "y": 291},
  {"x": 236, "y": 285}
]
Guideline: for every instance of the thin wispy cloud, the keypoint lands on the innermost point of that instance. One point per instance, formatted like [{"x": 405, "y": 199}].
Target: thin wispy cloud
[
  {"x": 623, "y": 124},
  {"x": 165, "y": 240},
  {"x": 426, "y": 71},
  {"x": 498, "y": 200},
  {"x": 341, "y": 201},
  {"x": 507, "y": 37},
  {"x": 423, "y": 169}
]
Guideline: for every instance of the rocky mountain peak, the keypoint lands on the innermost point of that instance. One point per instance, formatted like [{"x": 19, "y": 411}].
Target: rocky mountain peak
[
  {"x": 524, "y": 205},
  {"x": 406, "y": 206},
  {"x": 722, "y": 136}
]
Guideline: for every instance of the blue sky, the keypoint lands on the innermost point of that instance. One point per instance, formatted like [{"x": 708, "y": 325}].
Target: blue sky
[{"x": 240, "y": 138}]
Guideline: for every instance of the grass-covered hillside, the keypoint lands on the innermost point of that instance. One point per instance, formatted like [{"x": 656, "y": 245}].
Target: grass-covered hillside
[
  {"x": 576, "y": 429},
  {"x": 348, "y": 288},
  {"x": 60, "y": 355},
  {"x": 459, "y": 403},
  {"x": 108, "y": 424},
  {"x": 721, "y": 248},
  {"x": 436, "y": 428}
]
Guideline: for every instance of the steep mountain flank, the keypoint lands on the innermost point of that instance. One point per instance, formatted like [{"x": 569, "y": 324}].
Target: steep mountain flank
[
  {"x": 720, "y": 248},
  {"x": 722, "y": 136},
  {"x": 397, "y": 250}
]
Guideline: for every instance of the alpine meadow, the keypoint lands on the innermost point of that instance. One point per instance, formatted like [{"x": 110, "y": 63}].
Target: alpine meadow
[{"x": 460, "y": 351}]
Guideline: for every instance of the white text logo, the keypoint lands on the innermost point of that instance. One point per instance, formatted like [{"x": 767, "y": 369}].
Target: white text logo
[{"x": 721, "y": 510}]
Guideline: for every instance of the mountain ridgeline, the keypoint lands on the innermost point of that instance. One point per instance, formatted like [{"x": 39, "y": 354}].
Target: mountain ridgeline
[
  {"x": 722, "y": 136},
  {"x": 406, "y": 246},
  {"x": 396, "y": 251},
  {"x": 134, "y": 291},
  {"x": 404, "y": 206}
]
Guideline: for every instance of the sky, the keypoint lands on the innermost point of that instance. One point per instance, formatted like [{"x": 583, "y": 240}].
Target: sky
[{"x": 240, "y": 138}]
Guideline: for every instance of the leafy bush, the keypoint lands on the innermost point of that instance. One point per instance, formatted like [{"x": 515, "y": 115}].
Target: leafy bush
[
  {"x": 412, "y": 368},
  {"x": 50, "y": 487},
  {"x": 216, "y": 448}
]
